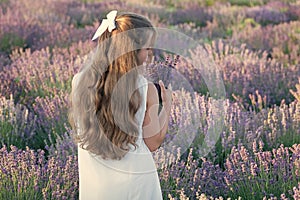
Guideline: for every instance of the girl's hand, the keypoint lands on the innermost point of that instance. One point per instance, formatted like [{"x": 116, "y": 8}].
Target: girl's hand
[{"x": 166, "y": 95}]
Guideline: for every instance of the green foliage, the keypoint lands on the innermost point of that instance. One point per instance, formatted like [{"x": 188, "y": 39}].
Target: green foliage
[
  {"x": 248, "y": 21},
  {"x": 27, "y": 192},
  {"x": 250, "y": 3},
  {"x": 90, "y": 1},
  {"x": 4, "y": 3},
  {"x": 169, "y": 183},
  {"x": 209, "y": 2},
  {"x": 289, "y": 138},
  {"x": 11, "y": 41},
  {"x": 257, "y": 187},
  {"x": 9, "y": 135},
  {"x": 5, "y": 133}
]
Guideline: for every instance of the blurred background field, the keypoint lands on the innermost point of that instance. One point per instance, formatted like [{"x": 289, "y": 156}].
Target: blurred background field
[{"x": 256, "y": 45}]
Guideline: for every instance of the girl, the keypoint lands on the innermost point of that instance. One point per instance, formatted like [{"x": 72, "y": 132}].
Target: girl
[{"x": 114, "y": 112}]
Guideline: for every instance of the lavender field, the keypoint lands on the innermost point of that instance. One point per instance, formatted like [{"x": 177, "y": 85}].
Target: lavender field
[{"x": 256, "y": 46}]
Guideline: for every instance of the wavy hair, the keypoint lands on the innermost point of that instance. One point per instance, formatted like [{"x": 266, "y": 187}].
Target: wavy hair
[{"x": 91, "y": 112}]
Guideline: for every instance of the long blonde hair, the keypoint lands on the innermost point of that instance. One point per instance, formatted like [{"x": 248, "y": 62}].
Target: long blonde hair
[{"x": 91, "y": 113}]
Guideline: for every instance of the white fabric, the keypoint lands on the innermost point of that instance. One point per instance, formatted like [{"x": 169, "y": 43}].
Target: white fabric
[
  {"x": 134, "y": 177},
  {"x": 108, "y": 23}
]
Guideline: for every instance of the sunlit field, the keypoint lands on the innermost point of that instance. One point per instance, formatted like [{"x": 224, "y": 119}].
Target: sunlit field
[{"x": 256, "y": 46}]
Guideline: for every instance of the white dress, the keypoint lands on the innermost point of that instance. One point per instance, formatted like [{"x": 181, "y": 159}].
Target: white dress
[{"x": 134, "y": 177}]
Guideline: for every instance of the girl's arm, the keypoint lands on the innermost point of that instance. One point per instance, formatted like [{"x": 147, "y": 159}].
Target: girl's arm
[{"x": 155, "y": 125}]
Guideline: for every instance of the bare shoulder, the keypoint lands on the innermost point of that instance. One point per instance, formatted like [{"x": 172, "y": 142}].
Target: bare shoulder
[{"x": 152, "y": 95}]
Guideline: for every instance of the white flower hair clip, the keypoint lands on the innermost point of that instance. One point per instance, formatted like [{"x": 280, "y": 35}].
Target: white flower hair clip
[{"x": 108, "y": 23}]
